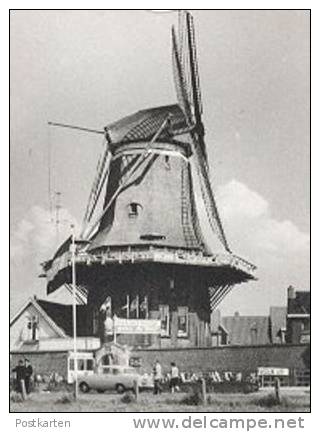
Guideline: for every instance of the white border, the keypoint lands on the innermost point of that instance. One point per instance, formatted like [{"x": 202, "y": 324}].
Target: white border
[{"x": 110, "y": 422}]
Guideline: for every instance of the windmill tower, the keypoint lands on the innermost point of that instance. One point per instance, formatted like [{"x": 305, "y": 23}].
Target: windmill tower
[{"x": 151, "y": 229}]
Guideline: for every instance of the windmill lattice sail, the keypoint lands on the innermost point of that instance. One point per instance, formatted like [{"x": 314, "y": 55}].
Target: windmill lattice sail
[{"x": 187, "y": 83}]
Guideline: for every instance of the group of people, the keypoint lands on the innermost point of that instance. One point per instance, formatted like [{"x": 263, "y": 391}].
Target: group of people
[
  {"x": 158, "y": 378},
  {"x": 23, "y": 374}
]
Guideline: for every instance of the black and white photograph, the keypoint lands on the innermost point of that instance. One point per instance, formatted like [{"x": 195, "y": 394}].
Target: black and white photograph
[{"x": 160, "y": 211}]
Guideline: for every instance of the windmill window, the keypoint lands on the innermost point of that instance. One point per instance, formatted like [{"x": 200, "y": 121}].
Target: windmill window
[
  {"x": 182, "y": 321},
  {"x": 134, "y": 209},
  {"x": 167, "y": 162},
  {"x": 165, "y": 320}
]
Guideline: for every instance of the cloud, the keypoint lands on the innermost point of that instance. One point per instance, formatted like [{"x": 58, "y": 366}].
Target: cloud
[
  {"x": 236, "y": 199},
  {"x": 249, "y": 222},
  {"x": 36, "y": 235},
  {"x": 278, "y": 247}
]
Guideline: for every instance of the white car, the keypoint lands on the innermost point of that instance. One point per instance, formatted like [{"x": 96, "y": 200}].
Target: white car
[{"x": 118, "y": 378}]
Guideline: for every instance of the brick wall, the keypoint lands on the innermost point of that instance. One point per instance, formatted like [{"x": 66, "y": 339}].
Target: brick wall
[
  {"x": 44, "y": 363},
  {"x": 236, "y": 358},
  {"x": 243, "y": 359}
]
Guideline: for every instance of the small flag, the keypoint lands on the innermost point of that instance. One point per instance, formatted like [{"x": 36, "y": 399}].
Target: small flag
[
  {"x": 144, "y": 304},
  {"x": 144, "y": 307},
  {"x": 134, "y": 304},
  {"x": 108, "y": 302},
  {"x": 106, "y": 305},
  {"x": 127, "y": 306}
]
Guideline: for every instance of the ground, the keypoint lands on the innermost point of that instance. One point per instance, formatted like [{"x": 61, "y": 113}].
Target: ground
[{"x": 293, "y": 400}]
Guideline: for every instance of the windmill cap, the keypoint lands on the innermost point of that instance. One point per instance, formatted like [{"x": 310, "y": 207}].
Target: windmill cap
[{"x": 144, "y": 124}]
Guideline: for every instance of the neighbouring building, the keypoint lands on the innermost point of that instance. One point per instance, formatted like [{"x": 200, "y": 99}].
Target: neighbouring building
[
  {"x": 41, "y": 326},
  {"x": 42, "y": 332},
  {"x": 298, "y": 316},
  {"x": 248, "y": 330},
  {"x": 288, "y": 324}
]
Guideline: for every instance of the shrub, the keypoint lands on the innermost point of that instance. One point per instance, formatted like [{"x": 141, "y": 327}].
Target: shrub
[
  {"x": 193, "y": 398},
  {"x": 267, "y": 401},
  {"x": 128, "y": 397},
  {"x": 58, "y": 387},
  {"x": 16, "y": 397},
  {"x": 65, "y": 399}
]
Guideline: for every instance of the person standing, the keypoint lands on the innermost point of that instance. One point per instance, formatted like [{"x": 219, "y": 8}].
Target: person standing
[
  {"x": 20, "y": 371},
  {"x": 174, "y": 378},
  {"x": 28, "y": 375},
  {"x": 157, "y": 376}
]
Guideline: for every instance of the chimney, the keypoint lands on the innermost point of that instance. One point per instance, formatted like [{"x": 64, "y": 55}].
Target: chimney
[{"x": 291, "y": 292}]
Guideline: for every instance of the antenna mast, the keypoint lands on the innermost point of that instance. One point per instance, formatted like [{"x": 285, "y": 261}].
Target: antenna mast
[{"x": 57, "y": 214}]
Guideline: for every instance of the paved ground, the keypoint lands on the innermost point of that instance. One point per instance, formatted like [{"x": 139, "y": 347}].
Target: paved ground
[{"x": 293, "y": 400}]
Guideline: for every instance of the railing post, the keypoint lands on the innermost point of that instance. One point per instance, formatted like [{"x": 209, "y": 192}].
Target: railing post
[
  {"x": 204, "y": 391},
  {"x": 23, "y": 389},
  {"x": 136, "y": 389},
  {"x": 277, "y": 390}
]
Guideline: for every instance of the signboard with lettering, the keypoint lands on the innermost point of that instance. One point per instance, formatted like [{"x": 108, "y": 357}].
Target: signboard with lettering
[
  {"x": 273, "y": 371},
  {"x": 137, "y": 326}
]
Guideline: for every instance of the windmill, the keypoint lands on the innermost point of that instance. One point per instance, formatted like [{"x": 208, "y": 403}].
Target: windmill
[{"x": 142, "y": 233}]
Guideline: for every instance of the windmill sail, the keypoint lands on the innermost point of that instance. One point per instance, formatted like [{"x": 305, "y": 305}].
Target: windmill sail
[
  {"x": 179, "y": 81},
  {"x": 98, "y": 183},
  {"x": 187, "y": 85}
]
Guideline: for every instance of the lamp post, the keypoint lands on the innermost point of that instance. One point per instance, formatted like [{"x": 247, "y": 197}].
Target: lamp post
[{"x": 74, "y": 311}]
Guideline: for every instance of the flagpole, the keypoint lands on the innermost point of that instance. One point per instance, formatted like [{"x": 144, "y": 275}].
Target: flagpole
[
  {"x": 74, "y": 312},
  {"x": 128, "y": 307},
  {"x": 114, "y": 329}
]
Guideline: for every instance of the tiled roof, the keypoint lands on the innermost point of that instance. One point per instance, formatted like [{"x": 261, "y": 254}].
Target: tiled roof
[
  {"x": 247, "y": 330},
  {"x": 300, "y": 304},
  {"x": 278, "y": 320},
  {"x": 61, "y": 314}
]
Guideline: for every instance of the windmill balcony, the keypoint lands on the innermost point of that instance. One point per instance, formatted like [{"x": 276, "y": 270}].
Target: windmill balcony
[{"x": 150, "y": 253}]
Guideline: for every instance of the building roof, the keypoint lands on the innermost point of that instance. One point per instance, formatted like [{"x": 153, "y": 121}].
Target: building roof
[
  {"x": 300, "y": 303},
  {"x": 58, "y": 316},
  {"x": 61, "y": 314},
  {"x": 278, "y": 322},
  {"x": 247, "y": 330},
  {"x": 34, "y": 302}
]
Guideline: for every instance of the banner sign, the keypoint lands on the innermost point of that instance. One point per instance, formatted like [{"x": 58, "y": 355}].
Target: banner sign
[
  {"x": 271, "y": 371},
  {"x": 137, "y": 326}
]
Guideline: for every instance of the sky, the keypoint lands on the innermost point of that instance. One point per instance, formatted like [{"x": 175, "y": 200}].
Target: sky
[{"x": 91, "y": 68}]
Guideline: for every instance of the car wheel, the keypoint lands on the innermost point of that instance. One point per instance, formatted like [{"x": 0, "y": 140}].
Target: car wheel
[
  {"x": 120, "y": 388},
  {"x": 84, "y": 387}
]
